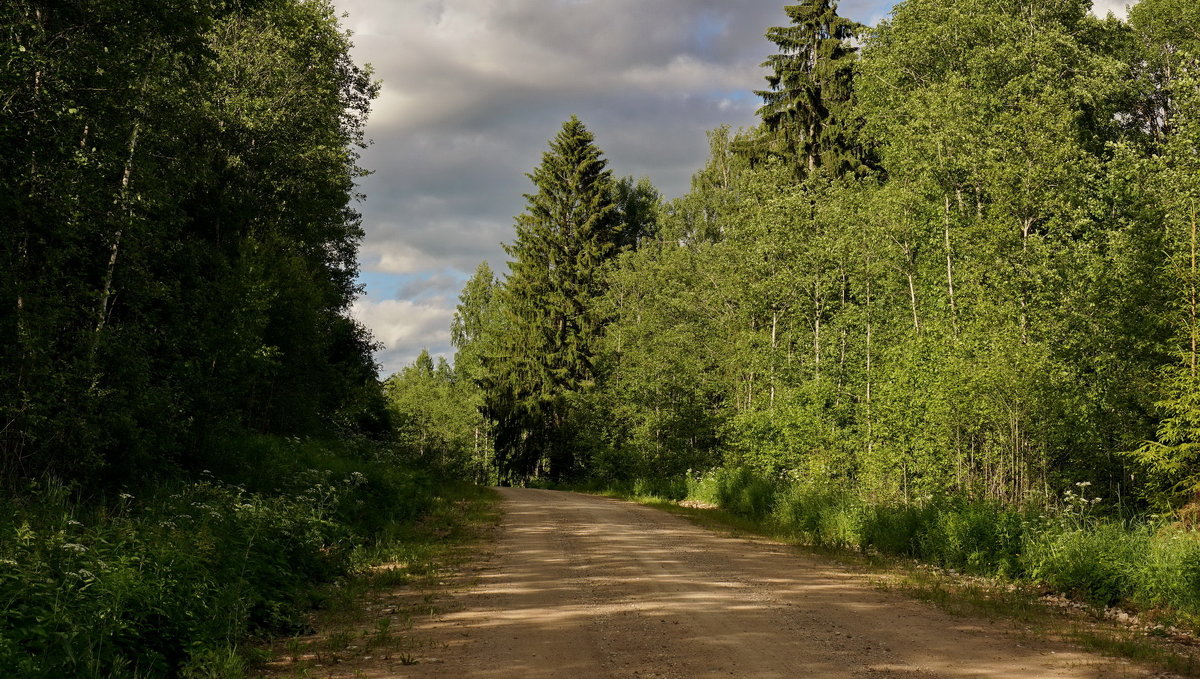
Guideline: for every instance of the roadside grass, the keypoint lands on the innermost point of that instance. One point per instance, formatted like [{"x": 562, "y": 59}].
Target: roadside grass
[
  {"x": 183, "y": 576},
  {"x": 367, "y": 620},
  {"x": 974, "y": 560}
]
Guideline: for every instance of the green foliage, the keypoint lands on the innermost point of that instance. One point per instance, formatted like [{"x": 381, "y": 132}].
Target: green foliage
[
  {"x": 542, "y": 346},
  {"x": 1168, "y": 573},
  {"x": 1098, "y": 563},
  {"x": 180, "y": 244},
  {"x": 1174, "y": 458},
  {"x": 808, "y": 112},
  {"x": 981, "y": 317},
  {"x": 744, "y": 493},
  {"x": 171, "y": 583},
  {"x": 435, "y": 412}
]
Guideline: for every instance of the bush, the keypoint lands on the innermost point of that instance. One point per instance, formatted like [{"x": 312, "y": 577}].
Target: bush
[
  {"x": 897, "y": 530},
  {"x": 1097, "y": 563},
  {"x": 1169, "y": 575},
  {"x": 824, "y": 518},
  {"x": 977, "y": 538},
  {"x": 703, "y": 488},
  {"x": 668, "y": 489},
  {"x": 744, "y": 493},
  {"x": 171, "y": 583}
]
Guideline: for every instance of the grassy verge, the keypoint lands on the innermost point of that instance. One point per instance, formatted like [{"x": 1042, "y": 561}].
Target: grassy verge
[
  {"x": 1127, "y": 589},
  {"x": 368, "y": 621},
  {"x": 178, "y": 577}
]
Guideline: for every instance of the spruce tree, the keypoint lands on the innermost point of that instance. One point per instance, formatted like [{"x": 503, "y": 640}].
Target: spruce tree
[
  {"x": 547, "y": 342},
  {"x": 807, "y": 113}
]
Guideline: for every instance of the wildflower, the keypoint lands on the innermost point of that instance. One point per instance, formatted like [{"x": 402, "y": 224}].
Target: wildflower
[{"x": 74, "y": 547}]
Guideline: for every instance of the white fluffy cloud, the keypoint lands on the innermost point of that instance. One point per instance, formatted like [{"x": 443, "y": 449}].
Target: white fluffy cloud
[{"x": 405, "y": 328}]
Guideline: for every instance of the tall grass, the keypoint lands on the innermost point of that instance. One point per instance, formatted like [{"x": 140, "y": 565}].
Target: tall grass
[
  {"x": 1146, "y": 563},
  {"x": 171, "y": 581}
]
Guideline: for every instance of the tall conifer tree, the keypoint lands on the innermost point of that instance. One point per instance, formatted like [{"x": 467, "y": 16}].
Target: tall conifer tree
[
  {"x": 808, "y": 111},
  {"x": 545, "y": 350}
]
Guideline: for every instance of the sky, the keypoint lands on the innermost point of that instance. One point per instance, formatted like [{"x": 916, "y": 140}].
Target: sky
[{"x": 473, "y": 90}]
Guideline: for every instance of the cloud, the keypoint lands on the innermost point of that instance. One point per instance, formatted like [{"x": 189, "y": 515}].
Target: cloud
[
  {"x": 1120, "y": 8},
  {"x": 474, "y": 89},
  {"x": 434, "y": 286},
  {"x": 405, "y": 327}
]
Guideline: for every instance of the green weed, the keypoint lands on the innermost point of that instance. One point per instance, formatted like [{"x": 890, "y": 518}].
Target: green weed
[{"x": 169, "y": 581}]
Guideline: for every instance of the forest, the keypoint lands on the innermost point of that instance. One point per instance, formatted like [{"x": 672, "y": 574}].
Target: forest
[
  {"x": 940, "y": 302},
  {"x": 957, "y": 256},
  {"x": 194, "y": 444}
]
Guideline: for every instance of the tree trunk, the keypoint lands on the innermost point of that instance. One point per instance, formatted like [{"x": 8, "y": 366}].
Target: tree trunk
[
  {"x": 774, "y": 348},
  {"x": 949, "y": 267},
  {"x": 867, "y": 400},
  {"x": 106, "y": 294},
  {"x": 817, "y": 327}
]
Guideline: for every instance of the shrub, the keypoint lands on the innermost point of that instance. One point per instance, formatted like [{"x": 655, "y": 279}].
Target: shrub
[
  {"x": 1170, "y": 573},
  {"x": 666, "y": 488},
  {"x": 824, "y": 518},
  {"x": 897, "y": 530},
  {"x": 169, "y": 584},
  {"x": 973, "y": 537},
  {"x": 1097, "y": 563},
  {"x": 744, "y": 493}
]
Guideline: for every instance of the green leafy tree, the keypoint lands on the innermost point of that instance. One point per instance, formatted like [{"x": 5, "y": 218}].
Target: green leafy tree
[
  {"x": 1169, "y": 40},
  {"x": 436, "y": 418},
  {"x": 473, "y": 328},
  {"x": 179, "y": 186},
  {"x": 1174, "y": 458}
]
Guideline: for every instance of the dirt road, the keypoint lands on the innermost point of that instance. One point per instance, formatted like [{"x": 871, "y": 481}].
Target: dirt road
[{"x": 583, "y": 587}]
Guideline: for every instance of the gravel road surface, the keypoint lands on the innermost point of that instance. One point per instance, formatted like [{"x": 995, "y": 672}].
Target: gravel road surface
[{"x": 580, "y": 587}]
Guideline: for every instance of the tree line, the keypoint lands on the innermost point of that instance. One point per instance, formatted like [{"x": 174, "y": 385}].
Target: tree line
[
  {"x": 956, "y": 256},
  {"x": 179, "y": 240}
]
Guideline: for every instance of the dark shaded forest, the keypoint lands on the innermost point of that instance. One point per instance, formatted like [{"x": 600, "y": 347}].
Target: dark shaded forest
[
  {"x": 195, "y": 449},
  {"x": 180, "y": 241}
]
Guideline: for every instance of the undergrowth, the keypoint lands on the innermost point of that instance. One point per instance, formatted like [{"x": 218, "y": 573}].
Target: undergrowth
[
  {"x": 173, "y": 580},
  {"x": 370, "y": 617},
  {"x": 1073, "y": 548}
]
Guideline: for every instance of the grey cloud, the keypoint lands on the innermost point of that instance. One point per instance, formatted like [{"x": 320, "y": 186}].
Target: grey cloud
[
  {"x": 405, "y": 328},
  {"x": 473, "y": 89},
  {"x": 440, "y": 286}
]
